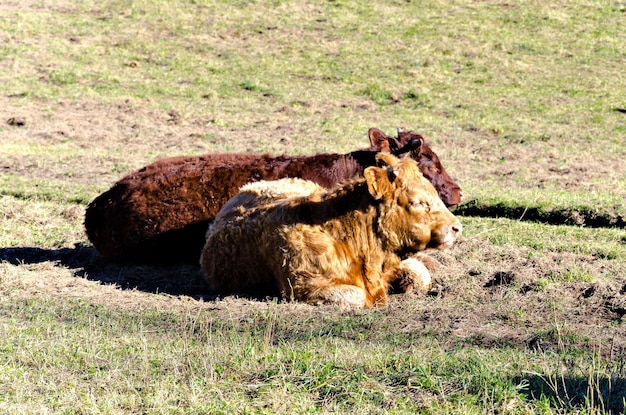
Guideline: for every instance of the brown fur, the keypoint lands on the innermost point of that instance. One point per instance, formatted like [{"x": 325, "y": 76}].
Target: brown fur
[
  {"x": 431, "y": 167},
  {"x": 160, "y": 213},
  {"x": 345, "y": 246}
]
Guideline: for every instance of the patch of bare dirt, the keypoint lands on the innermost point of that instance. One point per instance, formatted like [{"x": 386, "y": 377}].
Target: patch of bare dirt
[
  {"x": 483, "y": 295},
  {"x": 503, "y": 295},
  {"x": 100, "y": 141}
]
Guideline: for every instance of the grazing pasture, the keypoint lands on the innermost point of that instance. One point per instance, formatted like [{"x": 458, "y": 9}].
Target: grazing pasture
[{"x": 524, "y": 103}]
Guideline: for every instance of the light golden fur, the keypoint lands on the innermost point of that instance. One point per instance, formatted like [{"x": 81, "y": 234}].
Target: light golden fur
[{"x": 345, "y": 246}]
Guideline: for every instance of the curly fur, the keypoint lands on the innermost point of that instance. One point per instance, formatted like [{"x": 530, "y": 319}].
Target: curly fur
[{"x": 345, "y": 246}]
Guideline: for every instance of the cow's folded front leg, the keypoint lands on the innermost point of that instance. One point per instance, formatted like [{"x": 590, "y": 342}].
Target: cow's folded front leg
[
  {"x": 430, "y": 262},
  {"x": 413, "y": 274},
  {"x": 344, "y": 296},
  {"x": 328, "y": 289}
]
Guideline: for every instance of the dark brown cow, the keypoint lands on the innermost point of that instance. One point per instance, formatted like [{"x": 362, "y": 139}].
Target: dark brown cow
[
  {"x": 347, "y": 246},
  {"x": 430, "y": 166},
  {"x": 160, "y": 213}
]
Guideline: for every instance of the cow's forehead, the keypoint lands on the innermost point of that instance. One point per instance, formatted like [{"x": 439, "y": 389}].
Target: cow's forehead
[
  {"x": 414, "y": 180},
  {"x": 408, "y": 166},
  {"x": 422, "y": 193},
  {"x": 409, "y": 170}
]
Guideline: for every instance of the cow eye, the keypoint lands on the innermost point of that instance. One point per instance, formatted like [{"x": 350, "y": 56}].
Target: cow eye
[{"x": 418, "y": 204}]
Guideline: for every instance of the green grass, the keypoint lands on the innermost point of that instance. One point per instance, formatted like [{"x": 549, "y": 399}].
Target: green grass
[
  {"x": 518, "y": 99},
  {"x": 159, "y": 361},
  {"x": 39, "y": 223},
  {"x": 600, "y": 242},
  {"x": 54, "y": 190},
  {"x": 557, "y": 207}
]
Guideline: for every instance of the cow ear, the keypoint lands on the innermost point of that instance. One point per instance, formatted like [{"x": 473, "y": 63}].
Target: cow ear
[
  {"x": 378, "y": 182},
  {"x": 415, "y": 142},
  {"x": 379, "y": 141},
  {"x": 408, "y": 141},
  {"x": 386, "y": 159}
]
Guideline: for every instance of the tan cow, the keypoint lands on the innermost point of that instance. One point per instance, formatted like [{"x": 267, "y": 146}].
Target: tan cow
[{"x": 345, "y": 246}]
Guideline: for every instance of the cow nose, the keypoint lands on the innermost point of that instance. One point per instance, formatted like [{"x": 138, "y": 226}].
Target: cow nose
[{"x": 457, "y": 229}]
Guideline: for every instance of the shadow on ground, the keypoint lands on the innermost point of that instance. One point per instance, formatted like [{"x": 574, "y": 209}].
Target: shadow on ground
[
  {"x": 590, "y": 217},
  {"x": 87, "y": 263},
  {"x": 577, "y": 393}
]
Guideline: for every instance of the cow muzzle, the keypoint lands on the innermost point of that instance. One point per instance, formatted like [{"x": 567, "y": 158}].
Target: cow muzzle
[{"x": 447, "y": 236}]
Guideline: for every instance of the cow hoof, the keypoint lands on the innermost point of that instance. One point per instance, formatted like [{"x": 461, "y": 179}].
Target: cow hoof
[{"x": 417, "y": 275}]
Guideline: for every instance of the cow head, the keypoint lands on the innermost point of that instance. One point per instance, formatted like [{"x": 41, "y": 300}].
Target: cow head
[
  {"x": 412, "y": 217},
  {"x": 413, "y": 144}
]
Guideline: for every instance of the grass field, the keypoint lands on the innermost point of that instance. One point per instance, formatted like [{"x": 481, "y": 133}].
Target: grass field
[{"x": 524, "y": 102}]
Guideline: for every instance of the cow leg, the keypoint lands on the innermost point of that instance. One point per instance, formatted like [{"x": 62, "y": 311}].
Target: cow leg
[
  {"x": 431, "y": 263},
  {"x": 413, "y": 275},
  {"x": 344, "y": 296}
]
